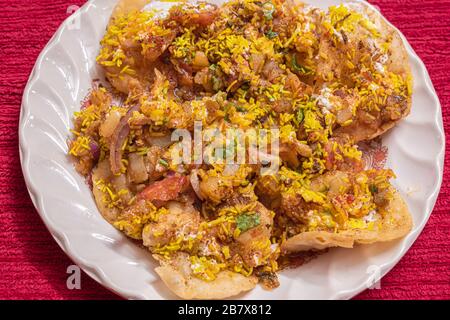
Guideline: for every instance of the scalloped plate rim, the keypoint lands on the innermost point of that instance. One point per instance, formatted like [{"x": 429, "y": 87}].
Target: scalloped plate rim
[{"x": 97, "y": 273}]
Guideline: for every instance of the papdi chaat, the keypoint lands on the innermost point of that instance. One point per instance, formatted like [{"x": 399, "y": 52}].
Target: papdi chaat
[{"x": 323, "y": 80}]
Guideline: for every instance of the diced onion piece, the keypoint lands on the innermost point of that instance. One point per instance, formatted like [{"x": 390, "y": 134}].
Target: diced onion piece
[
  {"x": 136, "y": 168},
  {"x": 117, "y": 140},
  {"x": 162, "y": 142},
  {"x": 95, "y": 150},
  {"x": 109, "y": 125},
  {"x": 195, "y": 183}
]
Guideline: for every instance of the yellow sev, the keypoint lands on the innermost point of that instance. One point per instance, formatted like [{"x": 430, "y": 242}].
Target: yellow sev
[{"x": 228, "y": 51}]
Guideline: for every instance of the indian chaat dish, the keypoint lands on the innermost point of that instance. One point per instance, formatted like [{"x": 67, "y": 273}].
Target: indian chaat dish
[{"x": 326, "y": 79}]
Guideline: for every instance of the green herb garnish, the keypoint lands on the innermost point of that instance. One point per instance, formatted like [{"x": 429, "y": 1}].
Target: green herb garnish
[
  {"x": 299, "y": 68},
  {"x": 163, "y": 162},
  {"x": 216, "y": 83},
  {"x": 271, "y": 34},
  {"x": 373, "y": 189},
  {"x": 247, "y": 221},
  {"x": 300, "y": 116},
  {"x": 268, "y": 10},
  {"x": 240, "y": 108}
]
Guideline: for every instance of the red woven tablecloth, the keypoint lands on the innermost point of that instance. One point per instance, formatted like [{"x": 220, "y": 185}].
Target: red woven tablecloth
[{"x": 32, "y": 266}]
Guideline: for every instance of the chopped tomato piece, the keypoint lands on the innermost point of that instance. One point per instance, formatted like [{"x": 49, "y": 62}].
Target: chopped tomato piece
[{"x": 166, "y": 189}]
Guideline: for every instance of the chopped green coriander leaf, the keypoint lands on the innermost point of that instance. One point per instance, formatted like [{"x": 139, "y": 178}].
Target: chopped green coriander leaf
[
  {"x": 240, "y": 108},
  {"x": 298, "y": 67},
  {"x": 163, "y": 162},
  {"x": 268, "y": 10},
  {"x": 373, "y": 189},
  {"x": 271, "y": 34},
  {"x": 247, "y": 221},
  {"x": 300, "y": 116}
]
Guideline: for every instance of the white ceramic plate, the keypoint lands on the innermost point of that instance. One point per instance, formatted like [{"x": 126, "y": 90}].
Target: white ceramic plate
[{"x": 62, "y": 77}]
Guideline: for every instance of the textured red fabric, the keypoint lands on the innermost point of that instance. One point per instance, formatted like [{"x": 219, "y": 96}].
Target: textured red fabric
[{"x": 32, "y": 266}]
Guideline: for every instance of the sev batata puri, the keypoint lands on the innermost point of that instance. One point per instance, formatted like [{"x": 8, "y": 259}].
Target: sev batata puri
[{"x": 325, "y": 80}]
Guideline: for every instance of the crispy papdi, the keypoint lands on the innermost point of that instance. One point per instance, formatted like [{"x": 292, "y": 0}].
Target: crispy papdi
[
  {"x": 324, "y": 79},
  {"x": 396, "y": 224},
  {"x": 397, "y": 63},
  {"x": 317, "y": 240},
  {"x": 177, "y": 275}
]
